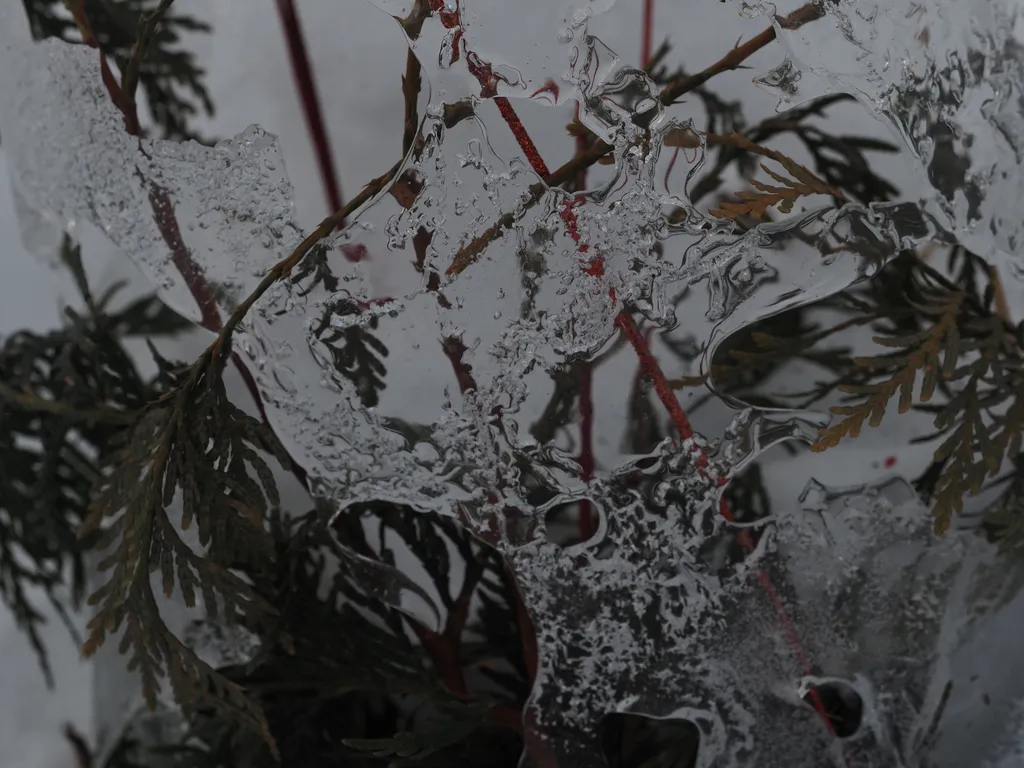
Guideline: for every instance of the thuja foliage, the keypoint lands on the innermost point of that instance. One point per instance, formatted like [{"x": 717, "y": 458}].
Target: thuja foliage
[
  {"x": 195, "y": 442},
  {"x": 937, "y": 337},
  {"x": 66, "y": 397},
  {"x": 341, "y": 681},
  {"x": 170, "y": 77},
  {"x": 173, "y": 483}
]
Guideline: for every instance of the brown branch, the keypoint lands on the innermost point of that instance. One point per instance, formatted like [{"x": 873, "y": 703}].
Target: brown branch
[
  {"x": 284, "y": 267},
  {"x": 147, "y": 32},
  {"x": 83, "y": 755},
  {"x": 759, "y": 134},
  {"x": 732, "y": 60},
  {"x": 411, "y": 84},
  {"x": 30, "y": 402},
  {"x": 469, "y": 253}
]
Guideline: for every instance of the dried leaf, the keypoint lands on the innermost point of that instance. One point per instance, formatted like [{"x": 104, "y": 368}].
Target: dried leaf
[
  {"x": 921, "y": 355},
  {"x": 801, "y": 183},
  {"x": 684, "y": 138}
]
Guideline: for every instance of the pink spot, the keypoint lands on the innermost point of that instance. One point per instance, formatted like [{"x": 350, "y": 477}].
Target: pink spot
[
  {"x": 355, "y": 251},
  {"x": 890, "y": 462}
]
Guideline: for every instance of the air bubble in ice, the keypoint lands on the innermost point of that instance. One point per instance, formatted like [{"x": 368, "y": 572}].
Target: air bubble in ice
[{"x": 783, "y": 82}]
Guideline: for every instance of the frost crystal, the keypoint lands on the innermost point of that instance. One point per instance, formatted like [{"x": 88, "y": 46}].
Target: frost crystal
[
  {"x": 435, "y": 387},
  {"x": 947, "y": 76},
  {"x": 689, "y": 627}
]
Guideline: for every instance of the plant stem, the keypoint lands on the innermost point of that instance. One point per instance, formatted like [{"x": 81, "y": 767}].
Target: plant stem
[
  {"x": 411, "y": 83},
  {"x": 647, "y": 34},
  {"x": 627, "y": 324},
  {"x": 147, "y": 31},
  {"x": 304, "y": 79},
  {"x": 469, "y": 253},
  {"x": 31, "y": 402},
  {"x": 122, "y": 96},
  {"x": 284, "y": 267},
  {"x": 587, "y": 523},
  {"x": 79, "y": 746},
  {"x": 732, "y": 60}
]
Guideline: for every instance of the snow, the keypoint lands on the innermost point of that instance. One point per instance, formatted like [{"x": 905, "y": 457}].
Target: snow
[{"x": 358, "y": 54}]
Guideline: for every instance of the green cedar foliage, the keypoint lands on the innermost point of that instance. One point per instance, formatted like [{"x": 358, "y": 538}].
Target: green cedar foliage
[
  {"x": 339, "y": 679},
  {"x": 170, "y": 77},
  {"x": 937, "y": 338},
  {"x": 66, "y": 396},
  {"x": 101, "y": 457}
]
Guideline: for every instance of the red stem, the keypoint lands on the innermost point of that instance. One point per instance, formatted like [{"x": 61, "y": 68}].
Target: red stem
[
  {"x": 647, "y": 41},
  {"x": 188, "y": 268},
  {"x": 522, "y": 137},
  {"x": 454, "y": 350},
  {"x": 624, "y": 320},
  {"x": 163, "y": 214},
  {"x": 652, "y": 369},
  {"x": 306, "y": 84},
  {"x": 587, "y": 521}
]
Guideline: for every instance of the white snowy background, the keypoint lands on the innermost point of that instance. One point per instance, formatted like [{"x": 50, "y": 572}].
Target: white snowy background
[{"x": 359, "y": 56}]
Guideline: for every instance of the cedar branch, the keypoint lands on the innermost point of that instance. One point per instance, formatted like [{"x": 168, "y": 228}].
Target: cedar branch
[
  {"x": 469, "y": 253},
  {"x": 147, "y": 31},
  {"x": 411, "y": 84}
]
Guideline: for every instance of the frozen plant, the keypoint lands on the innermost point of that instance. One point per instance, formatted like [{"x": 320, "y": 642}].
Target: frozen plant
[{"x": 544, "y": 525}]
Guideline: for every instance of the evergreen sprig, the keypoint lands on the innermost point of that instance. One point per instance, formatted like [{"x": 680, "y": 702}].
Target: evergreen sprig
[
  {"x": 1005, "y": 519},
  {"x": 801, "y": 182},
  {"x": 356, "y": 353},
  {"x": 192, "y": 440},
  {"x": 842, "y": 162},
  {"x": 942, "y": 336},
  {"x": 65, "y": 398},
  {"x": 963, "y": 347},
  {"x": 930, "y": 353},
  {"x": 48, "y": 459},
  {"x": 337, "y": 677},
  {"x": 169, "y": 75}
]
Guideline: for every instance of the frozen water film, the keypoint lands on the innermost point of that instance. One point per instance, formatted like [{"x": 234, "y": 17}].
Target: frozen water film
[
  {"x": 947, "y": 77},
  {"x": 466, "y": 380}
]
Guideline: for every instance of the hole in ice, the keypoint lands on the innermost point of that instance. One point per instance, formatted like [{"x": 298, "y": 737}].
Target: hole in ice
[
  {"x": 840, "y": 703},
  {"x": 748, "y": 504},
  {"x": 636, "y": 741},
  {"x": 573, "y": 522}
]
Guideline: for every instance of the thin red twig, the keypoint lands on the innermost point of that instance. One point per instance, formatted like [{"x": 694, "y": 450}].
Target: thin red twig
[
  {"x": 306, "y": 83},
  {"x": 647, "y": 39},
  {"x": 522, "y": 137},
  {"x": 652, "y": 369},
  {"x": 587, "y": 521},
  {"x": 163, "y": 214}
]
